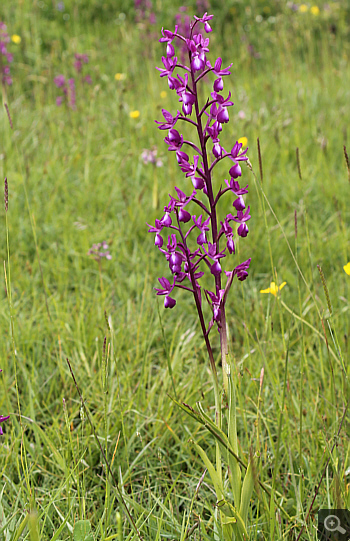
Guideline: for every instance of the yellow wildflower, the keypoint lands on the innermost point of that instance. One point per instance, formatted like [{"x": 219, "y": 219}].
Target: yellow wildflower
[
  {"x": 16, "y": 39},
  {"x": 163, "y": 94},
  {"x": 243, "y": 140},
  {"x": 273, "y": 289},
  {"x": 119, "y": 76},
  {"x": 134, "y": 114},
  {"x": 303, "y": 8},
  {"x": 347, "y": 268},
  {"x": 315, "y": 10}
]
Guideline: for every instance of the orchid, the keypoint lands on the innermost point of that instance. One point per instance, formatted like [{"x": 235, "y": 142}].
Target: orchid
[
  {"x": 100, "y": 250},
  {"x": 187, "y": 259},
  {"x": 200, "y": 244},
  {"x": 7, "y": 57}
]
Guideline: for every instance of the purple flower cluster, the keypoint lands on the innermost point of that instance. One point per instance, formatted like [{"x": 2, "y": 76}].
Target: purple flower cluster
[
  {"x": 68, "y": 88},
  {"x": 183, "y": 22},
  {"x": 99, "y": 250},
  {"x": 5, "y": 55},
  {"x": 187, "y": 257},
  {"x": 203, "y": 5},
  {"x": 144, "y": 11},
  {"x": 2, "y": 418},
  {"x": 150, "y": 156},
  {"x": 81, "y": 59},
  {"x": 68, "y": 85}
]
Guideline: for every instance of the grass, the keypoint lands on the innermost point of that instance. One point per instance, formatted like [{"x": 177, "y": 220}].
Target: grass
[{"x": 76, "y": 178}]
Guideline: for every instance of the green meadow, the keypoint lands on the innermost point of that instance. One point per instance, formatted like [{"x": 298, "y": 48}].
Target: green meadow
[{"x": 76, "y": 178}]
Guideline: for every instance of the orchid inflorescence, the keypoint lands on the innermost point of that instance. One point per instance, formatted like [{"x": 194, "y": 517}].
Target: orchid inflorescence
[
  {"x": 4, "y": 54},
  {"x": 184, "y": 261},
  {"x": 68, "y": 85},
  {"x": 100, "y": 250}
]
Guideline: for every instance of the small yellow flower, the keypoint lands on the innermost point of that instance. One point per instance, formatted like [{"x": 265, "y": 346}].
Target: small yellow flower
[
  {"x": 134, "y": 114},
  {"x": 243, "y": 140},
  {"x": 119, "y": 76},
  {"x": 16, "y": 39},
  {"x": 347, "y": 268},
  {"x": 315, "y": 10},
  {"x": 163, "y": 94},
  {"x": 273, "y": 289},
  {"x": 303, "y": 8}
]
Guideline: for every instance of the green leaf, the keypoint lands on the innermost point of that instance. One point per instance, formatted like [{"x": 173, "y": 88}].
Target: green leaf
[
  {"x": 232, "y": 517},
  {"x": 82, "y": 531},
  {"x": 236, "y": 474},
  {"x": 212, "y": 472},
  {"x": 247, "y": 490}
]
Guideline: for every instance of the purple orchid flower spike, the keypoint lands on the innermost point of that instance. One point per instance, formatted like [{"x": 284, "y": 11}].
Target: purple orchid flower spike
[
  {"x": 99, "y": 251},
  {"x": 5, "y": 56},
  {"x": 193, "y": 248}
]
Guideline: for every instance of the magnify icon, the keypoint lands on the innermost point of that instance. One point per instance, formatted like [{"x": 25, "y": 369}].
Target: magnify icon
[{"x": 332, "y": 524}]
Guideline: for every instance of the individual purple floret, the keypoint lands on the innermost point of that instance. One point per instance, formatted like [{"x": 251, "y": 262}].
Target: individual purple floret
[
  {"x": 98, "y": 251},
  {"x": 3, "y": 418},
  {"x": 6, "y": 57},
  {"x": 191, "y": 241}
]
